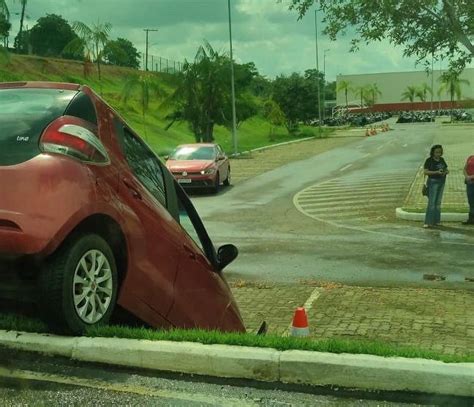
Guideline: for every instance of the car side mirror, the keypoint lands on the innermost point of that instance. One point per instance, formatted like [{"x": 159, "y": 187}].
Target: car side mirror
[
  {"x": 221, "y": 157},
  {"x": 166, "y": 157},
  {"x": 226, "y": 255}
]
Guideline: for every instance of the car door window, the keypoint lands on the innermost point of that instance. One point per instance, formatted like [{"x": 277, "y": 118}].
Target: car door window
[{"x": 145, "y": 165}]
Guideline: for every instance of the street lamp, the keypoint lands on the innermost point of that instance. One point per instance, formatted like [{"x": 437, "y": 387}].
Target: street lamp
[
  {"x": 147, "y": 30},
  {"x": 234, "y": 119},
  {"x": 317, "y": 65},
  {"x": 324, "y": 82}
]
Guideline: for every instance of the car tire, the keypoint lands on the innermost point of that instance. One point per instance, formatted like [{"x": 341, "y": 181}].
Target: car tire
[
  {"x": 81, "y": 275},
  {"x": 217, "y": 184},
  {"x": 228, "y": 179}
]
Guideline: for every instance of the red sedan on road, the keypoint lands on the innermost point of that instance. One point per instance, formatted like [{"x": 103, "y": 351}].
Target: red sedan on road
[
  {"x": 203, "y": 165},
  {"x": 90, "y": 217}
]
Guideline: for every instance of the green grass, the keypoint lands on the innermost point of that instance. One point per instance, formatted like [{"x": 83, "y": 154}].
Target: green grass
[
  {"x": 251, "y": 134},
  {"x": 12, "y": 322}
]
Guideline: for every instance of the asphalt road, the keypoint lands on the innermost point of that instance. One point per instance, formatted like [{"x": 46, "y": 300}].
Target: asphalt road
[
  {"x": 332, "y": 218},
  {"x": 31, "y": 380}
]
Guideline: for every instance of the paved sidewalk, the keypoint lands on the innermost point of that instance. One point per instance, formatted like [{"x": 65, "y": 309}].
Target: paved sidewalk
[
  {"x": 458, "y": 145},
  {"x": 431, "y": 319}
]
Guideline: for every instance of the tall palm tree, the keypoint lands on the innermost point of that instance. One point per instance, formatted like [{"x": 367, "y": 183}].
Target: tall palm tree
[
  {"x": 344, "y": 86},
  {"x": 90, "y": 41},
  {"x": 422, "y": 91},
  {"x": 373, "y": 92},
  {"x": 452, "y": 85},
  {"x": 409, "y": 93},
  {"x": 146, "y": 86},
  {"x": 363, "y": 92}
]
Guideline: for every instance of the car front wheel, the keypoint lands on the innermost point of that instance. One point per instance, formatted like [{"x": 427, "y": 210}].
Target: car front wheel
[
  {"x": 79, "y": 285},
  {"x": 228, "y": 179}
]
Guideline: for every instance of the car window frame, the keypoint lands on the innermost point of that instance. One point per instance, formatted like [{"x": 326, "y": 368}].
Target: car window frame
[{"x": 121, "y": 129}]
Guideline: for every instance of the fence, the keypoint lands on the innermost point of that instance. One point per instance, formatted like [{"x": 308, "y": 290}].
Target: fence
[{"x": 161, "y": 64}]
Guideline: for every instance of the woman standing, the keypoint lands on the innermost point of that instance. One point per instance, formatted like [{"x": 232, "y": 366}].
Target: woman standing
[
  {"x": 469, "y": 179},
  {"x": 436, "y": 169}
]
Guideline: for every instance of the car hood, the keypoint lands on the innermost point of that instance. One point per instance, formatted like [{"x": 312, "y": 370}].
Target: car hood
[{"x": 188, "y": 165}]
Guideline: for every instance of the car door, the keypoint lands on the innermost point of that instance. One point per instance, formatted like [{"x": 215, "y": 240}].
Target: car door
[
  {"x": 154, "y": 236},
  {"x": 201, "y": 295}
]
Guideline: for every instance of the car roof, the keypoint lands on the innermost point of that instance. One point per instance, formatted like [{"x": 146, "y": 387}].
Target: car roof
[{"x": 41, "y": 85}]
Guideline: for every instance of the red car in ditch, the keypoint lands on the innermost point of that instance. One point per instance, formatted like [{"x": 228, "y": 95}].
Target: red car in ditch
[
  {"x": 201, "y": 165},
  {"x": 91, "y": 218}
]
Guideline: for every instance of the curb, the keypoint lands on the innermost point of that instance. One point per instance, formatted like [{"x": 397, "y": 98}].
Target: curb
[
  {"x": 364, "y": 372},
  {"x": 420, "y": 217},
  {"x": 271, "y": 146}
]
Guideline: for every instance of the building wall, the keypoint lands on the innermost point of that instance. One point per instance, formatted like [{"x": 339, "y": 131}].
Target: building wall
[{"x": 393, "y": 84}]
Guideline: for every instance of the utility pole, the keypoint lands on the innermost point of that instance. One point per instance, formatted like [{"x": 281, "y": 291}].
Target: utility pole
[
  {"x": 432, "y": 86},
  {"x": 147, "y": 30},
  {"x": 234, "y": 115},
  {"x": 317, "y": 66}
]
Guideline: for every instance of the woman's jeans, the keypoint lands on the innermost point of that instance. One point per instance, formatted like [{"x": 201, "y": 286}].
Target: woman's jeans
[
  {"x": 470, "y": 199},
  {"x": 435, "y": 195}
]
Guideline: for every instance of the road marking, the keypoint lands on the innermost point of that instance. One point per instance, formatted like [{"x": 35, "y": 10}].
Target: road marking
[
  {"x": 380, "y": 147},
  {"x": 367, "y": 155},
  {"x": 202, "y": 398},
  {"x": 312, "y": 298},
  {"x": 346, "y": 167},
  {"x": 405, "y": 145}
]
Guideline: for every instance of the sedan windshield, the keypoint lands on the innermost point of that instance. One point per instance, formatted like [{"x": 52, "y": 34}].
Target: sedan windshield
[{"x": 194, "y": 153}]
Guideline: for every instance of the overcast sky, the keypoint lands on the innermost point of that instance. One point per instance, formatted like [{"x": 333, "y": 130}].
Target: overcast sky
[{"x": 264, "y": 32}]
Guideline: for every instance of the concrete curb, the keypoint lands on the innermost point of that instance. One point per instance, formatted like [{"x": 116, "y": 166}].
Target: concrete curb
[
  {"x": 363, "y": 372},
  {"x": 420, "y": 217},
  {"x": 271, "y": 146}
]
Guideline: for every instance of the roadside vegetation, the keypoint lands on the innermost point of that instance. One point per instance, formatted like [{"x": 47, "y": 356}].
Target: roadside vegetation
[{"x": 11, "y": 322}]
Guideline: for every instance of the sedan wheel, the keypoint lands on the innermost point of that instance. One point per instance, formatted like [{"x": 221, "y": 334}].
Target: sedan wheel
[
  {"x": 79, "y": 285},
  {"x": 228, "y": 179}
]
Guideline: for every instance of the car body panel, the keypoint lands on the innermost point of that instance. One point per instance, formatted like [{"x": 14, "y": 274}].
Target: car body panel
[{"x": 51, "y": 195}]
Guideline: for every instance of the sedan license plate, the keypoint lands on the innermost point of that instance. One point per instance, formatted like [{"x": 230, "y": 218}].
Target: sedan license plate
[{"x": 184, "y": 181}]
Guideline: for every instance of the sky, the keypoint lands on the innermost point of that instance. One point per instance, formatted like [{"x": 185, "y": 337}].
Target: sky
[{"x": 264, "y": 32}]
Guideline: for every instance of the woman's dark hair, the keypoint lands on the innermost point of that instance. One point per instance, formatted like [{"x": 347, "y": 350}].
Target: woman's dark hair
[{"x": 434, "y": 148}]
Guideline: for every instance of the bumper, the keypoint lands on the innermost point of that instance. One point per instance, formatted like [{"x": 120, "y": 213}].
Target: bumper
[{"x": 196, "y": 181}]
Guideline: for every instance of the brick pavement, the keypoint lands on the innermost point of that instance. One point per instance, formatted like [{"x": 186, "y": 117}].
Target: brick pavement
[
  {"x": 431, "y": 319},
  {"x": 458, "y": 145}
]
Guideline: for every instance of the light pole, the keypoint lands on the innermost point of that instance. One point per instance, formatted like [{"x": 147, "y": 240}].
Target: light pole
[
  {"x": 317, "y": 66},
  {"x": 234, "y": 115},
  {"x": 147, "y": 30},
  {"x": 324, "y": 83},
  {"x": 432, "y": 86}
]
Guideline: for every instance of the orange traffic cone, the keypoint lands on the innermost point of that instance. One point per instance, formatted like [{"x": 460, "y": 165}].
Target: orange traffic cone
[{"x": 300, "y": 323}]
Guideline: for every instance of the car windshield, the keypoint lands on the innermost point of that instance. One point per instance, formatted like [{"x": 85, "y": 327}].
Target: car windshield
[
  {"x": 24, "y": 114},
  {"x": 194, "y": 153}
]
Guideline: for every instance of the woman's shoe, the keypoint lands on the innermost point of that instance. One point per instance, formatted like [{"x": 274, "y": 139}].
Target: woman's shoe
[{"x": 427, "y": 226}]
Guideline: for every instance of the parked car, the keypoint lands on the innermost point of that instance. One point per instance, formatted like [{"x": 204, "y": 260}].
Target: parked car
[
  {"x": 91, "y": 218},
  {"x": 202, "y": 165}
]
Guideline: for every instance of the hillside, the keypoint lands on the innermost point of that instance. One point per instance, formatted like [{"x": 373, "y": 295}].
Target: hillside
[{"x": 251, "y": 134}]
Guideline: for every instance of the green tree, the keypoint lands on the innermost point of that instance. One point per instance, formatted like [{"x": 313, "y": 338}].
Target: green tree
[
  {"x": 410, "y": 93},
  {"x": 373, "y": 92},
  {"x": 121, "y": 52},
  {"x": 50, "y": 35},
  {"x": 330, "y": 90},
  {"x": 363, "y": 92},
  {"x": 147, "y": 87},
  {"x": 5, "y": 27},
  {"x": 422, "y": 91},
  {"x": 344, "y": 86},
  {"x": 21, "y": 38},
  {"x": 91, "y": 41},
  {"x": 4, "y": 9},
  {"x": 274, "y": 115},
  {"x": 297, "y": 96},
  {"x": 451, "y": 84},
  {"x": 422, "y": 27},
  {"x": 202, "y": 96}
]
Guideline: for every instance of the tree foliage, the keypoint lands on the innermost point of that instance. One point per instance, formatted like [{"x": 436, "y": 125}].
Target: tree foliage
[
  {"x": 50, "y": 35},
  {"x": 5, "y": 27},
  {"x": 121, "y": 52},
  {"x": 421, "y": 27},
  {"x": 297, "y": 96},
  {"x": 410, "y": 93},
  {"x": 203, "y": 97}
]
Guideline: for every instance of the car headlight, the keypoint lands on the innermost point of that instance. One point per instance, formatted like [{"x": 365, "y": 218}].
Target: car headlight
[{"x": 208, "y": 171}]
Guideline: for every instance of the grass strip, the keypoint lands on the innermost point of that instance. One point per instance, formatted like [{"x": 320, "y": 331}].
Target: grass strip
[{"x": 13, "y": 322}]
